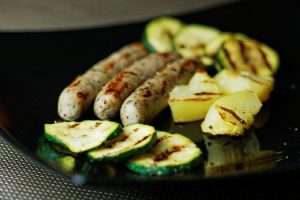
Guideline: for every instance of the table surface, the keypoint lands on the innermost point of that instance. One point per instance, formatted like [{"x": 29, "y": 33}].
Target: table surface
[{"x": 21, "y": 178}]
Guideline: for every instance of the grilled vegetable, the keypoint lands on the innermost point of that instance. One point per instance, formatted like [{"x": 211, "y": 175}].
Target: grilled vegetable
[
  {"x": 159, "y": 33},
  {"x": 191, "y": 40},
  {"x": 135, "y": 139},
  {"x": 148, "y": 100},
  {"x": 191, "y": 102},
  {"x": 232, "y": 114},
  {"x": 248, "y": 55},
  {"x": 172, "y": 153},
  {"x": 215, "y": 43},
  {"x": 232, "y": 81},
  {"x": 81, "y": 136}
]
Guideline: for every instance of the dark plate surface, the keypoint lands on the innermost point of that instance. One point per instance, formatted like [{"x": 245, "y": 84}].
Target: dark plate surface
[{"x": 35, "y": 67}]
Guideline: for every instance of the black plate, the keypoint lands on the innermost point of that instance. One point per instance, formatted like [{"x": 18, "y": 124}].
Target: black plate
[{"x": 35, "y": 67}]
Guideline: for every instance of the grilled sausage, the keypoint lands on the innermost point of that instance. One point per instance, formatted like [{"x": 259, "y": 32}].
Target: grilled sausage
[
  {"x": 76, "y": 98},
  {"x": 148, "y": 100},
  {"x": 109, "y": 101}
]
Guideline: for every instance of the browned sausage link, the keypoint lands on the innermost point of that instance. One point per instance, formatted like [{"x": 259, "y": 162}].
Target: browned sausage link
[
  {"x": 77, "y": 97},
  {"x": 148, "y": 100},
  {"x": 109, "y": 101}
]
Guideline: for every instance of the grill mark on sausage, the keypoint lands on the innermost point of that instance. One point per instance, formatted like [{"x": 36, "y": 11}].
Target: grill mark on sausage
[
  {"x": 146, "y": 92},
  {"x": 141, "y": 140},
  {"x": 165, "y": 155},
  {"x": 163, "y": 87},
  {"x": 73, "y": 125},
  {"x": 264, "y": 57},
  {"x": 245, "y": 56},
  {"x": 108, "y": 66},
  {"x": 233, "y": 114},
  {"x": 82, "y": 95},
  {"x": 227, "y": 55},
  {"x": 139, "y": 45}
]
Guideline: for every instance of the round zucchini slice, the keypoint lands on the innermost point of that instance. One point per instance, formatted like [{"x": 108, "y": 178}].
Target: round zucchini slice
[
  {"x": 190, "y": 42},
  {"x": 171, "y": 153},
  {"x": 81, "y": 136},
  {"x": 135, "y": 139},
  {"x": 159, "y": 33},
  {"x": 248, "y": 55}
]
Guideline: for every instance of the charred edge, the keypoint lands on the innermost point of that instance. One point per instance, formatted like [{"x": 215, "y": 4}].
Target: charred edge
[
  {"x": 223, "y": 116},
  {"x": 112, "y": 143},
  {"x": 82, "y": 95},
  {"x": 207, "y": 93},
  {"x": 164, "y": 155},
  {"x": 252, "y": 79},
  {"x": 233, "y": 114},
  {"x": 227, "y": 55},
  {"x": 97, "y": 124},
  {"x": 73, "y": 125},
  {"x": 189, "y": 63},
  {"x": 245, "y": 56},
  {"x": 264, "y": 57},
  {"x": 162, "y": 138},
  {"x": 143, "y": 139}
]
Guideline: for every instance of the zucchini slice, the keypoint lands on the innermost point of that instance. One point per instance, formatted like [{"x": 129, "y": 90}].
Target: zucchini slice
[
  {"x": 135, "y": 139},
  {"x": 190, "y": 42},
  {"x": 215, "y": 43},
  {"x": 159, "y": 33},
  {"x": 171, "y": 153},
  {"x": 81, "y": 136},
  {"x": 248, "y": 55}
]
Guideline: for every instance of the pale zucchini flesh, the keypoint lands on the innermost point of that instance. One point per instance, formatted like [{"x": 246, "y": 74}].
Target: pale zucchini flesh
[
  {"x": 190, "y": 42},
  {"x": 171, "y": 153},
  {"x": 81, "y": 136},
  {"x": 135, "y": 139},
  {"x": 248, "y": 55}
]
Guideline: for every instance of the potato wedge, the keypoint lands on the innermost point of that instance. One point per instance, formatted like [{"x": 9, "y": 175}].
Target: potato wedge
[
  {"x": 232, "y": 81},
  {"x": 232, "y": 114},
  {"x": 191, "y": 102}
]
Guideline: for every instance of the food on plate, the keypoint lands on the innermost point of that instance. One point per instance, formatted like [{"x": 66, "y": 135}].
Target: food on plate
[
  {"x": 213, "y": 45},
  {"x": 81, "y": 136},
  {"x": 191, "y": 102},
  {"x": 232, "y": 114},
  {"x": 77, "y": 97},
  {"x": 109, "y": 101},
  {"x": 135, "y": 139},
  {"x": 158, "y": 34},
  {"x": 148, "y": 100},
  {"x": 191, "y": 40},
  {"x": 248, "y": 55},
  {"x": 233, "y": 81},
  {"x": 171, "y": 153}
]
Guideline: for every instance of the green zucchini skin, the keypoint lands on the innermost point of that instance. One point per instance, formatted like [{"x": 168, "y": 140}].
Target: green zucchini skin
[
  {"x": 120, "y": 149},
  {"x": 157, "y": 171},
  {"x": 146, "y": 164},
  {"x": 167, "y": 27},
  {"x": 61, "y": 134}
]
